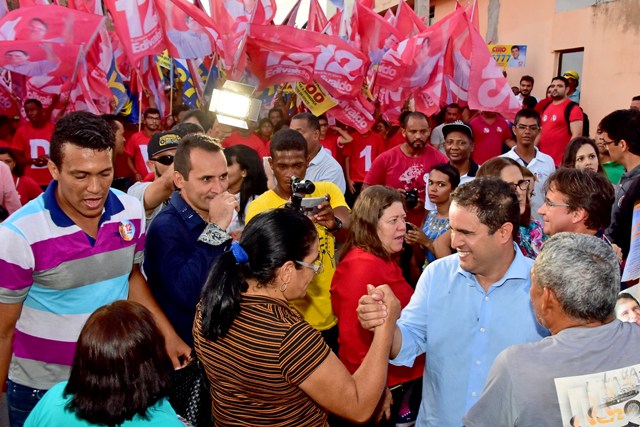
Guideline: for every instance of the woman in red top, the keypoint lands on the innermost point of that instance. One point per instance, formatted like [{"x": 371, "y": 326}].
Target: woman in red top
[
  {"x": 369, "y": 258},
  {"x": 26, "y": 187}
]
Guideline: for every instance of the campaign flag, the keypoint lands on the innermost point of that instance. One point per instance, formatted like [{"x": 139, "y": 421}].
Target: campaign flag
[
  {"x": 4, "y": 9},
  {"x": 90, "y": 6},
  {"x": 411, "y": 64},
  {"x": 116, "y": 84},
  {"x": 407, "y": 22},
  {"x": 29, "y": 3},
  {"x": 53, "y": 24},
  {"x": 299, "y": 55},
  {"x": 489, "y": 90},
  {"x": 355, "y": 112},
  {"x": 189, "y": 94},
  {"x": 8, "y": 103},
  {"x": 45, "y": 58},
  {"x": 315, "y": 97},
  {"x": 317, "y": 19},
  {"x": 152, "y": 82},
  {"x": 290, "y": 19},
  {"x": 138, "y": 27},
  {"x": 377, "y": 36},
  {"x": 188, "y": 30}
]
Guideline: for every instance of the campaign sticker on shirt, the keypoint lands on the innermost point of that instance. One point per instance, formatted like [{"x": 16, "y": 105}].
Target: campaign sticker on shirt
[{"x": 127, "y": 230}]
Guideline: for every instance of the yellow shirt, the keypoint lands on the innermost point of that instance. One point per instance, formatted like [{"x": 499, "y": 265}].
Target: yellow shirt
[{"x": 315, "y": 307}]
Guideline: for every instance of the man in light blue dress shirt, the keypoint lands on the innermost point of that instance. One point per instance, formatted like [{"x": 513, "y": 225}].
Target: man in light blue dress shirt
[{"x": 467, "y": 307}]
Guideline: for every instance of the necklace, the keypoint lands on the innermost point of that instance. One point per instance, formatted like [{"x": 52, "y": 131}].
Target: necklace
[{"x": 435, "y": 226}]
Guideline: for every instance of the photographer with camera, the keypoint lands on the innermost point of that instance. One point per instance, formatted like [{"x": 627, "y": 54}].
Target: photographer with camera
[
  {"x": 329, "y": 213},
  {"x": 403, "y": 167}
]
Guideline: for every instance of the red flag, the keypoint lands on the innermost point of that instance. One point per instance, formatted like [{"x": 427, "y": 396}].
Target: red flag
[
  {"x": 152, "y": 82},
  {"x": 29, "y": 3},
  {"x": 8, "y": 104},
  {"x": 55, "y": 24},
  {"x": 138, "y": 27},
  {"x": 189, "y": 31},
  {"x": 317, "y": 19},
  {"x": 354, "y": 112},
  {"x": 304, "y": 55},
  {"x": 4, "y": 9},
  {"x": 489, "y": 90},
  {"x": 89, "y": 6},
  {"x": 377, "y": 36},
  {"x": 43, "y": 59},
  {"x": 407, "y": 22},
  {"x": 411, "y": 64},
  {"x": 290, "y": 19}
]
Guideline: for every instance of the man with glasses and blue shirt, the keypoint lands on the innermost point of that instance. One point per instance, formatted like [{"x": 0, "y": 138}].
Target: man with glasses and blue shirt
[
  {"x": 577, "y": 201},
  {"x": 527, "y": 129}
]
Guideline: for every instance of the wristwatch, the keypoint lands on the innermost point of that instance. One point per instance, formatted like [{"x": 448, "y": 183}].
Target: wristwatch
[{"x": 338, "y": 226}]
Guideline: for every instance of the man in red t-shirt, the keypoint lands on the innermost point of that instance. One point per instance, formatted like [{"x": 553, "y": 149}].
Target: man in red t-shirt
[
  {"x": 136, "y": 146},
  {"x": 32, "y": 141},
  {"x": 403, "y": 167},
  {"x": 248, "y": 138},
  {"x": 555, "y": 133},
  {"x": 358, "y": 156},
  {"x": 490, "y": 131},
  {"x": 333, "y": 138}
]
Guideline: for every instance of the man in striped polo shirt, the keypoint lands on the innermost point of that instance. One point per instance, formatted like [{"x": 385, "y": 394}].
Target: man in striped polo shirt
[{"x": 73, "y": 249}]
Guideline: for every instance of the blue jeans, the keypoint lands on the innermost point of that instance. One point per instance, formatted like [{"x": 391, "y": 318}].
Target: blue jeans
[{"x": 21, "y": 400}]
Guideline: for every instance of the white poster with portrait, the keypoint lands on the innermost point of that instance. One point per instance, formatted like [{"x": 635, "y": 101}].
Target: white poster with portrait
[{"x": 610, "y": 398}]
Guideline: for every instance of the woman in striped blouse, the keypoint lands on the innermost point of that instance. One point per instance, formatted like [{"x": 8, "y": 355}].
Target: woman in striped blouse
[{"x": 265, "y": 364}]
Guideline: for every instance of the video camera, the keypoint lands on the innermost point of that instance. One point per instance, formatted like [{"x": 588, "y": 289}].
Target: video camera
[{"x": 299, "y": 188}]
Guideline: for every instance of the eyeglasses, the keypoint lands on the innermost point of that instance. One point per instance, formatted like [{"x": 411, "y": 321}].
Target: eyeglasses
[
  {"x": 552, "y": 204},
  {"x": 157, "y": 119},
  {"x": 532, "y": 128},
  {"x": 164, "y": 160},
  {"x": 608, "y": 142},
  {"x": 523, "y": 185},
  {"x": 316, "y": 266}
]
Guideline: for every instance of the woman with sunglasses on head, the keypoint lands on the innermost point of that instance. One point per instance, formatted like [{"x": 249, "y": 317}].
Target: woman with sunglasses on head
[
  {"x": 369, "y": 257},
  {"x": 265, "y": 364},
  {"x": 531, "y": 236}
]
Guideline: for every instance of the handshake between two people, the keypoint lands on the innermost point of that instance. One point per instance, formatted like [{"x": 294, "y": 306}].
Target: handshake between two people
[{"x": 379, "y": 307}]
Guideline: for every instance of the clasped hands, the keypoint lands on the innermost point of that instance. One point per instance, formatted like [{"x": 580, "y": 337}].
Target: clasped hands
[{"x": 379, "y": 307}]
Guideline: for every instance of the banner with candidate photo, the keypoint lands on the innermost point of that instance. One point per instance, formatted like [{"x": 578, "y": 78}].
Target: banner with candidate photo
[{"x": 509, "y": 55}]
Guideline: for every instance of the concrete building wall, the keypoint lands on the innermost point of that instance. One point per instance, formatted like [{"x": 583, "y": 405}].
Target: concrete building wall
[{"x": 608, "y": 31}]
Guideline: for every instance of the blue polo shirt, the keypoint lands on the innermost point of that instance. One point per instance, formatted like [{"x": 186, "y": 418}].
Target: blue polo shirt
[{"x": 177, "y": 262}]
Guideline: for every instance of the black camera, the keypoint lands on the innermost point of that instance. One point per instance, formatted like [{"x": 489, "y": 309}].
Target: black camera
[
  {"x": 302, "y": 186},
  {"x": 411, "y": 198},
  {"x": 299, "y": 187}
]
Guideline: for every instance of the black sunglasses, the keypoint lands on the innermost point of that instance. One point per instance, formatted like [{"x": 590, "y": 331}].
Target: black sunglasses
[{"x": 165, "y": 160}]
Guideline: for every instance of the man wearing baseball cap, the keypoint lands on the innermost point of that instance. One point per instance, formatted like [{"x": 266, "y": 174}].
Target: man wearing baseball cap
[
  {"x": 458, "y": 146},
  {"x": 161, "y": 150},
  {"x": 573, "y": 93}
]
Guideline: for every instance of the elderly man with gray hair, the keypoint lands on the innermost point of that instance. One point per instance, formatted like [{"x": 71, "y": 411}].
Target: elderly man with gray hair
[{"x": 588, "y": 369}]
